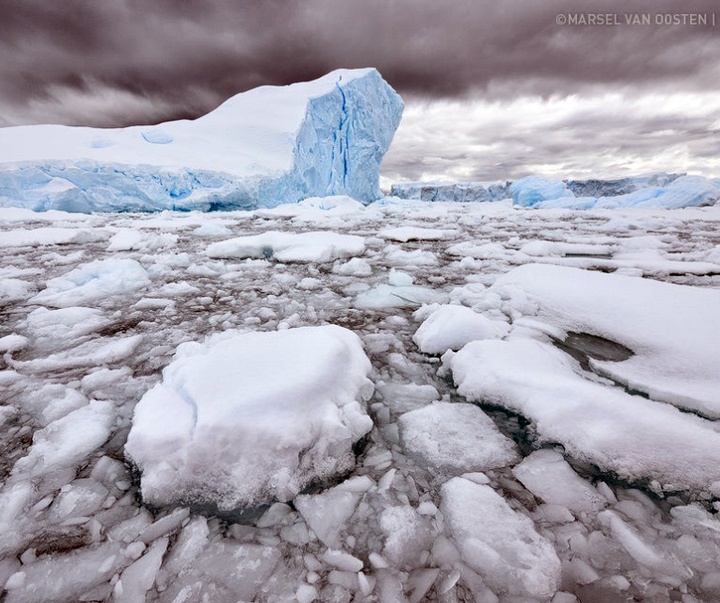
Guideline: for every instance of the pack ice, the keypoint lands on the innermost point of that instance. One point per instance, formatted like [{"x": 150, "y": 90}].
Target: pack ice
[
  {"x": 253, "y": 417},
  {"x": 264, "y": 147}
]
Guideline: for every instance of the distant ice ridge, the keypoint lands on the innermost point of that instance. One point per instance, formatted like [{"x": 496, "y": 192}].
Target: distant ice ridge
[
  {"x": 261, "y": 148},
  {"x": 662, "y": 191},
  {"x": 443, "y": 191}
]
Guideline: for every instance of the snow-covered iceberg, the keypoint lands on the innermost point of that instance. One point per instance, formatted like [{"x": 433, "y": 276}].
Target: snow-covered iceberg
[
  {"x": 264, "y": 147},
  {"x": 247, "y": 419}
]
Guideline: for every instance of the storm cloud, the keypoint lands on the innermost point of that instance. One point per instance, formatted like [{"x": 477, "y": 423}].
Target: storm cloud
[{"x": 122, "y": 62}]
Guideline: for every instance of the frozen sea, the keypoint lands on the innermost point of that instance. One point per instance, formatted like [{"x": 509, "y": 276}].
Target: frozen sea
[{"x": 541, "y": 425}]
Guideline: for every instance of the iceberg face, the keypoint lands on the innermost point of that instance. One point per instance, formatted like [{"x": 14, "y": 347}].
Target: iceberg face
[
  {"x": 619, "y": 186},
  {"x": 264, "y": 147},
  {"x": 535, "y": 189},
  {"x": 463, "y": 192}
]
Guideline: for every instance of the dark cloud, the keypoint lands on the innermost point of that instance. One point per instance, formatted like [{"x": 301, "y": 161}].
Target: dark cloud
[{"x": 186, "y": 56}]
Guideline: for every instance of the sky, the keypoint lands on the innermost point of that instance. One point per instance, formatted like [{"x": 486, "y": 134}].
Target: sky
[{"x": 494, "y": 90}]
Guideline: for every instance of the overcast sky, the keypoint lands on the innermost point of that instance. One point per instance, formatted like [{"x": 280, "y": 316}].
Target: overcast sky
[{"x": 494, "y": 89}]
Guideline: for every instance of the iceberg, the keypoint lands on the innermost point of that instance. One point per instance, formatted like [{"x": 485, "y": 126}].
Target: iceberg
[
  {"x": 462, "y": 192},
  {"x": 261, "y": 148},
  {"x": 532, "y": 190},
  {"x": 658, "y": 191}
]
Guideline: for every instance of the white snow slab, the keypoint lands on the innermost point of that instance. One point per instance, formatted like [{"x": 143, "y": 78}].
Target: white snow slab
[
  {"x": 245, "y": 419},
  {"x": 458, "y": 438},
  {"x": 450, "y": 327},
  {"x": 404, "y": 234},
  {"x": 68, "y": 441},
  {"x": 93, "y": 281},
  {"x": 321, "y": 246},
  {"x": 46, "y": 236},
  {"x": 637, "y": 439},
  {"x": 549, "y": 477},
  {"x": 267, "y": 146},
  {"x": 673, "y": 330},
  {"x": 498, "y": 543}
]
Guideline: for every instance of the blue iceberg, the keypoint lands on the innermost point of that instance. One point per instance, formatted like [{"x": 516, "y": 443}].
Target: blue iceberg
[
  {"x": 261, "y": 148},
  {"x": 659, "y": 191}
]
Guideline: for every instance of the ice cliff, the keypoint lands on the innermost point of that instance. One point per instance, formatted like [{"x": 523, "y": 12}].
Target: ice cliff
[{"x": 264, "y": 147}]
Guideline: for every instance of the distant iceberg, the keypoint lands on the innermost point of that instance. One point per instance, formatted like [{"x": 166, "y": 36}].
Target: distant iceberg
[
  {"x": 261, "y": 148},
  {"x": 662, "y": 191}
]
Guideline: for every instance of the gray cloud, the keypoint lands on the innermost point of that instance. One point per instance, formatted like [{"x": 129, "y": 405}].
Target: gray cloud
[
  {"x": 609, "y": 134},
  {"x": 120, "y": 62}
]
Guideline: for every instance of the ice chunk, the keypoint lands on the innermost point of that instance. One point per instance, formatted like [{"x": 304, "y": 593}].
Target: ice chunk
[
  {"x": 137, "y": 579},
  {"x": 253, "y": 417},
  {"x": 631, "y": 436},
  {"x": 534, "y": 189},
  {"x": 93, "y": 281},
  {"x": 226, "y": 571},
  {"x": 450, "y": 327},
  {"x": 403, "y": 397},
  {"x": 455, "y": 438},
  {"x": 191, "y": 541},
  {"x": 415, "y": 233},
  {"x": 673, "y": 329},
  {"x": 398, "y": 293},
  {"x": 498, "y": 543},
  {"x": 290, "y": 247},
  {"x": 50, "y": 235},
  {"x": 407, "y": 535},
  {"x": 67, "y": 441},
  {"x": 66, "y": 577},
  {"x": 548, "y": 476},
  {"x": 328, "y": 512},
  {"x": 258, "y": 149}
]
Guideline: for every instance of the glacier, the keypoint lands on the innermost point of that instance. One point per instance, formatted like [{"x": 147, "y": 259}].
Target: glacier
[{"x": 261, "y": 148}]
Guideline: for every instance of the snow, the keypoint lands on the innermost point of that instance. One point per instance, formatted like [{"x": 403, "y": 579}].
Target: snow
[
  {"x": 290, "y": 247},
  {"x": 677, "y": 362},
  {"x": 258, "y": 149},
  {"x": 252, "y": 417},
  {"x": 455, "y": 438},
  {"x": 499, "y": 543},
  {"x": 450, "y": 327},
  {"x": 631, "y": 436},
  {"x": 93, "y": 281},
  {"x": 68, "y": 441}
]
